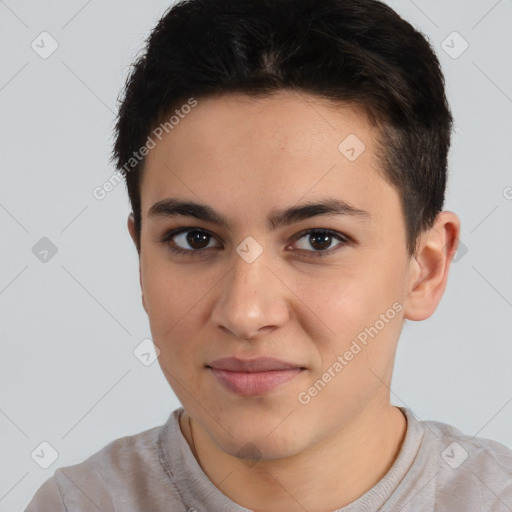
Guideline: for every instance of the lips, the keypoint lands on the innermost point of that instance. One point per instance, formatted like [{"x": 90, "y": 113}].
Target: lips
[
  {"x": 251, "y": 377},
  {"x": 262, "y": 364}
]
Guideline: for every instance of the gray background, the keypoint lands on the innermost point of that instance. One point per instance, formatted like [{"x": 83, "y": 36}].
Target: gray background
[{"x": 69, "y": 325}]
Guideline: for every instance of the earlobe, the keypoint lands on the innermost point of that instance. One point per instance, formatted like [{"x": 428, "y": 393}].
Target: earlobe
[{"x": 430, "y": 266}]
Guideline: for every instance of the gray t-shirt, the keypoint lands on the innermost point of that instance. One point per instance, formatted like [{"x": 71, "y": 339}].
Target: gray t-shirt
[{"x": 437, "y": 469}]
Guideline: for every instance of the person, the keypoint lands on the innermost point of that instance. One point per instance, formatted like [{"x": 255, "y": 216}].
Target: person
[{"x": 286, "y": 166}]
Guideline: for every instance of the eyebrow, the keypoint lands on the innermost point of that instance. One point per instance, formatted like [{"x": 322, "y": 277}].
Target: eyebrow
[{"x": 172, "y": 207}]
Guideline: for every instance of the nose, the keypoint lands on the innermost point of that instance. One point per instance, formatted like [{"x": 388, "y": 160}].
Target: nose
[{"x": 252, "y": 300}]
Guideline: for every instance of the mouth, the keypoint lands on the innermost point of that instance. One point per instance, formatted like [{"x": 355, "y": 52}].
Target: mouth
[{"x": 255, "y": 376}]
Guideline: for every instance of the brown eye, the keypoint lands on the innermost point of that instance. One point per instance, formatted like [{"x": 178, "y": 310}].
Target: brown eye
[
  {"x": 197, "y": 239},
  {"x": 320, "y": 240},
  {"x": 188, "y": 241}
]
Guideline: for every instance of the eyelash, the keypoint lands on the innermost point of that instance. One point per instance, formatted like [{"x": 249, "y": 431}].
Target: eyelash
[{"x": 167, "y": 239}]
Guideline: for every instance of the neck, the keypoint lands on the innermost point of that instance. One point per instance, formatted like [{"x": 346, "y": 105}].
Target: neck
[{"x": 325, "y": 477}]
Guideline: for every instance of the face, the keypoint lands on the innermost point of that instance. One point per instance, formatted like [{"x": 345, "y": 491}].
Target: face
[{"x": 255, "y": 274}]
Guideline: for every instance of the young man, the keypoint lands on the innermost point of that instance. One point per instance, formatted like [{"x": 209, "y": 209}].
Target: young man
[{"x": 286, "y": 166}]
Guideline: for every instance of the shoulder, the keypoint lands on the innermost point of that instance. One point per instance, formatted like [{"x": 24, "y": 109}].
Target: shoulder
[
  {"x": 112, "y": 475},
  {"x": 469, "y": 470},
  {"x": 459, "y": 448}
]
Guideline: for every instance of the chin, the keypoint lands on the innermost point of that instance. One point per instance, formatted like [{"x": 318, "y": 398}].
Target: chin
[
  {"x": 256, "y": 438},
  {"x": 252, "y": 451}
]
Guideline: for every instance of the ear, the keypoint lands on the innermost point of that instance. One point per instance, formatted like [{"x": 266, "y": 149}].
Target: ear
[
  {"x": 133, "y": 233},
  {"x": 430, "y": 265}
]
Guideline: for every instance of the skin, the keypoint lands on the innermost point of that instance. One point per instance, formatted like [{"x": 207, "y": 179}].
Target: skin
[{"x": 246, "y": 157}]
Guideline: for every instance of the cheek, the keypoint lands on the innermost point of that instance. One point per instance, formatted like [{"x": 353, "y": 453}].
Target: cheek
[
  {"x": 348, "y": 303},
  {"x": 342, "y": 299},
  {"x": 174, "y": 307},
  {"x": 168, "y": 292}
]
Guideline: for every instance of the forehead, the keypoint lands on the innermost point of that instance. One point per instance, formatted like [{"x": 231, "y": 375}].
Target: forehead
[
  {"x": 266, "y": 152},
  {"x": 293, "y": 124}
]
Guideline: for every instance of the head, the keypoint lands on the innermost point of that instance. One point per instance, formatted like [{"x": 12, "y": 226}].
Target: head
[{"x": 295, "y": 152}]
